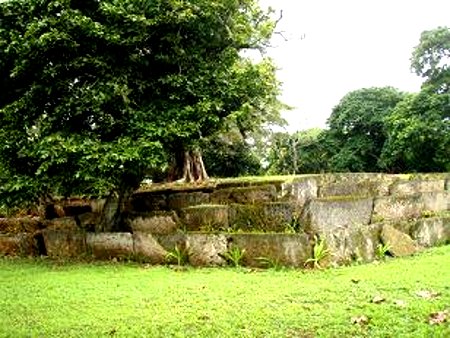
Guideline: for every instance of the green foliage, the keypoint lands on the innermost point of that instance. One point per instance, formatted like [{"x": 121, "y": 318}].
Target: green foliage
[
  {"x": 381, "y": 251},
  {"x": 357, "y": 130},
  {"x": 96, "y": 94},
  {"x": 320, "y": 253},
  {"x": 234, "y": 256},
  {"x": 229, "y": 155},
  {"x": 298, "y": 153},
  {"x": 270, "y": 263},
  {"x": 419, "y": 134},
  {"x": 179, "y": 255},
  {"x": 430, "y": 58}
]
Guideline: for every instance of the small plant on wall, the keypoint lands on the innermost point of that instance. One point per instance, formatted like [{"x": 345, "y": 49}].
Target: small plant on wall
[
  {"x": 381, "y": 251},
  {"x": 234, "y": 256},
  {"x": 320, "y": 253},
  {"x": 178, "y": 255},
  {"x": 270, "y": 263}
]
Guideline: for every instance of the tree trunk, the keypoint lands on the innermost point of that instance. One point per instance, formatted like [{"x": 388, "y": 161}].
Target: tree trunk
[
  {"x": 111, "y": 219},
  {"x": 188, "y": 166}
]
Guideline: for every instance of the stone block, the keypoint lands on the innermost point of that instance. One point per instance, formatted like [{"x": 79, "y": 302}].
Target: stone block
[
  {"x": 60, "y": 243},
  {"x": 433, "y": 231},
  {"x": 205, "y": 218},
  {"x": 245, "y": 195},
  {"x": 264, "y": 217},
  {"x": 399, "y": 243},
  {"x": 410, "y": 206},
  {"x": 349, "y": 244},
  {"x": 110, "y": 245},
  {"x": 160, "y": 223},
  {"x": 20, "y": 225},
  {"x": 323, "y": 215},
  {"x": 63, "y": 223},
  {"x": 206, "y": 249},
  {"x": 349, "y": 188},
  {"x": 417, "y": 186},
  {"x": 300, "y": 191},
  {"x": 147, "y": 249},
  {"x": 435, "y": 201},
  {"x": 281, "y": 249},
  {"x": 180, "y": 200},
  {"x": 17, "y": 245},
  {"x": 394, "y": 208},
  {"x": 147, "y": 201}
]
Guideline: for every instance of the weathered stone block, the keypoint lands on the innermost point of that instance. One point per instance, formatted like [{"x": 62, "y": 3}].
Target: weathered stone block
[
  {"x": 60, "y": 243},
  {"x": 182, "y": 200},
  {"x": 88, "y": 221},
  {"x": 322, "y": 215},
  {"x": 206, "y": 249},
  {"x": 169, "y": 242},
  {"x": 349, "y": 188},
  {"x": 147, "y": 249},
  {"x": 417, "y": 186},
  {"x": 17, "y": 245},
  {"x": 160, "y": 223},
  {"x": 400, "y": 244},
  {"x": 281, "y": 249},
  {"x": 397, "y": 208},
  {"x": 147, "y": 201},
  {"x": 300, "y": 191},
  {"x": 205, "y": 218},
  {"x": 432, "y": 231},
  {"x": 411, "y": 206},
  {"x": 435, "y": 201},
  {"x": 63, "y": 223},
  {"x": 20, "y": 225},
  {"x": 245, "y": 195},
  {"x": 265, "y": 217},
  {"x": 110, "y": 245},
  {"x": 355, "y": 243}
]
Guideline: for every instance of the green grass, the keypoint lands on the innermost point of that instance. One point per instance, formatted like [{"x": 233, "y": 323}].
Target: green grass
[{"x": 42, "y": 298}]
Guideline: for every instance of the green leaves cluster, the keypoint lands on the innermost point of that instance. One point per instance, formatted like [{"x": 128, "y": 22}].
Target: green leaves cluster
[{"x": 96, "y": 94}]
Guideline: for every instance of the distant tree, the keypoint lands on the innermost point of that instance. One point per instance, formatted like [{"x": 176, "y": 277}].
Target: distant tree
[
  {"x": 229, "y": 155},
  {"x": 431, "y": 59},
  {"x": 298, "y": 153},
  {"x": 357, "y": 133},
  {"x": 419, "y": 127},
  {"x": 419, "y": 134},
  {"x": 97, "y": 94}
]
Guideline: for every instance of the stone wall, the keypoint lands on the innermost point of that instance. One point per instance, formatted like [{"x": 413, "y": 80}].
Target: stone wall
[{"x": 275, "y": 222}]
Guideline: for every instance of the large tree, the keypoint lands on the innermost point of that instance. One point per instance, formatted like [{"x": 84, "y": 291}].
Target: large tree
[
  {"x": 356, "y": 128},
  {"x": 431, "y": 59},
  {"x": 301, "y": 152},
  {"x": 96, "y": 94},
  {"x": 419, "y": 127}
]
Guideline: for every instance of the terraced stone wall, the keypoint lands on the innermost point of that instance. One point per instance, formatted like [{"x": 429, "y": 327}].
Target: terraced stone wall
[{"x": 269, "y": 222}]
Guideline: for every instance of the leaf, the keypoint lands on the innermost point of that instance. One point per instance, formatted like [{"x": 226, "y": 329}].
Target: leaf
[
  {"x": 427, "y": 294},
  {"x": 439, "y": 317},
  {"x": 360, "y": 320}
]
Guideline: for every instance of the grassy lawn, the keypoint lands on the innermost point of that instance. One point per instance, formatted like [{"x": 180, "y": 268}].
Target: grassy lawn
[{"x": 41, "y": 298}]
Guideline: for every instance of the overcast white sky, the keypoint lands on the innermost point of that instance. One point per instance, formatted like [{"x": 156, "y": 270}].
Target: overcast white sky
[{"x": 347, "y": 45}]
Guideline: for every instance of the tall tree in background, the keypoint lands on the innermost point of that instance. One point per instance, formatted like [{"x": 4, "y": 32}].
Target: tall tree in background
[
  {"x": 356, "y": 128},
  {"x": 302, "y": 152},
  {"x": 419, "y": 128},
  {"x": 95, "y": 94}
]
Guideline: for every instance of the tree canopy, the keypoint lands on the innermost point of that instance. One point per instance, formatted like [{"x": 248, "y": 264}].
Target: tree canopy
[
  {"x": 95, "y": 94},
  {"x": 356, "y": 128}
]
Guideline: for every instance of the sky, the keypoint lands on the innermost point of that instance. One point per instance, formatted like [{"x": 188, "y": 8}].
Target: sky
[{"x": 337, "y": 46}]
